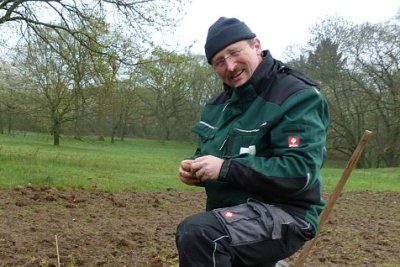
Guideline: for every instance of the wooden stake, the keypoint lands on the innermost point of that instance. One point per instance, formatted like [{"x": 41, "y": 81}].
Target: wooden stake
[
  {"x": 58, "y": 253},
  {"x": 332, "y": 199}
]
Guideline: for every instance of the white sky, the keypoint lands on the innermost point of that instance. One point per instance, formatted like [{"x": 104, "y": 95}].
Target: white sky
[{"x": 277, "y": 23}]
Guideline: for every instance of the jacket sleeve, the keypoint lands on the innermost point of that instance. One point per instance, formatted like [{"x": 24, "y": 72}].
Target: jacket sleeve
[{"x": 296, "y": 150}]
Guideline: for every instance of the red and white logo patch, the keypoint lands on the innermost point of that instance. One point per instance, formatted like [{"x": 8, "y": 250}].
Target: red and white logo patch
[
  {"x": 228, "y": 214},
  {"x": 293, "y": 141}
]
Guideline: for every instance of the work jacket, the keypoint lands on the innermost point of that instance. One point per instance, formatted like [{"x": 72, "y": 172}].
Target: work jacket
[{"x": 271, "y": 133}]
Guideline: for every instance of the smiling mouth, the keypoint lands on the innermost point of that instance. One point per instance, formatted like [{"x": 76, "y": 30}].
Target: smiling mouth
[{"x": 237, "y": 74}]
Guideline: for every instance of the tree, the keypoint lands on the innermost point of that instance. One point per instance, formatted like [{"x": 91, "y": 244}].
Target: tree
[
  {"x": 83, "y": 34},
  {"x": 11, "y": 85},
  {"x": 164, "y": 89},
  {"x": 113, "y": 97},
  {"x": 377, "y": 59},
  {"x": 51, "y": 85},
  {"x": 137, "y": 18},
  {"x": 172, "y": 89},
  {"x": 328, "y": 66},
  {"x": 357, "y": 67}
]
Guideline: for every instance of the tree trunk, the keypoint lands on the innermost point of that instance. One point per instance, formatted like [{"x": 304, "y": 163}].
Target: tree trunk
[
  {"x": 56, "y": 132},
  {"x": 1, "y": 124},
  {"x": 9, "y": 123}
]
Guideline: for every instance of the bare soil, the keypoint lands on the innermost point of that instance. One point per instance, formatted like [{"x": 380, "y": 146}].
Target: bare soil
[{"x": 41, "y": 226}]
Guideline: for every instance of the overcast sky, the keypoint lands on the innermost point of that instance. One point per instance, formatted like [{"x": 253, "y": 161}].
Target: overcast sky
[{"x": 278, "y": 24}]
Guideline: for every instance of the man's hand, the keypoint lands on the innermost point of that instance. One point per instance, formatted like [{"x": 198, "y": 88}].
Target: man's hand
[
  {"x": 186, "y": 174},
  {"x": 206, "y": 167}
]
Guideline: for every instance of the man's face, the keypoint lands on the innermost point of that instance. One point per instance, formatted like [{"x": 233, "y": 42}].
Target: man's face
[{"x": 236, "y": 63}]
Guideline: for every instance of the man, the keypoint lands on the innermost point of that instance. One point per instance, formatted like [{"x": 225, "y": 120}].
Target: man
[{"x": 262, "y": 144}]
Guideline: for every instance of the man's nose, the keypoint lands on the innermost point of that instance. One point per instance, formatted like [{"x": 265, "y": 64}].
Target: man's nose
[{"x": 230, "y": 63}]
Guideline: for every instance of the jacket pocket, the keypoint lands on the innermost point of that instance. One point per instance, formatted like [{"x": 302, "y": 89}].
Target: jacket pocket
[
  {"x": 246, "y": 141},
  {"x": 204, "y": 130}
]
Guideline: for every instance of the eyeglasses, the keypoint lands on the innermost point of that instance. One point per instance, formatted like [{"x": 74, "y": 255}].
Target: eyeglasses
[{"x": 220, "y": 63}]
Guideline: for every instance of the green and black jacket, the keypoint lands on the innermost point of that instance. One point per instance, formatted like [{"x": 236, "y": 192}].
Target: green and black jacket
[{"x": 271, "y": 131}]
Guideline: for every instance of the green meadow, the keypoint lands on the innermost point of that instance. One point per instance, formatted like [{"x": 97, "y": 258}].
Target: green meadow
[{"x": 131, "y": 165}]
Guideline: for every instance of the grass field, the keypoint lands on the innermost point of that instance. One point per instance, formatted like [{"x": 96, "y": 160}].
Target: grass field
[
  {"x": 110, "y": 227},
  {"x": 131, "y": 165}
]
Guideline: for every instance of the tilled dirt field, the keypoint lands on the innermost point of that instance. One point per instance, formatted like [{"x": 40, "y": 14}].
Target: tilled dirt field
[{"x": 138, "y": 229}]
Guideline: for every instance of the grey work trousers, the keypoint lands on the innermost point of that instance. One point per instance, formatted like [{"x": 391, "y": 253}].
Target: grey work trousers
[{"x": 251, "y": 234}]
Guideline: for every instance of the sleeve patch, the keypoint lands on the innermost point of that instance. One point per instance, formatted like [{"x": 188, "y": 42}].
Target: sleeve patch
[{"x": 293, "y": 141}]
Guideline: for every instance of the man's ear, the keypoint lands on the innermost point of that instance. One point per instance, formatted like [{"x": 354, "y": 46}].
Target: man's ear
[{"x": 257, "y": 46}]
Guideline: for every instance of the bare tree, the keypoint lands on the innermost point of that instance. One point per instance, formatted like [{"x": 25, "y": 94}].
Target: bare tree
[
  {"x": 358, "y": 67},
  {"x": 11, "y": 86},
  {"x": 50, "y": 82},
  {"x": 328, "y": 66},
  {"x": 137, "y": 18},
  {"x": 377, "y": 59},
  {"x": 172, "y": 89}
]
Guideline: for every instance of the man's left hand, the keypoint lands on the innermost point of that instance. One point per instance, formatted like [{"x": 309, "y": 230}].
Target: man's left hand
[{"x": 207, "y": 167}]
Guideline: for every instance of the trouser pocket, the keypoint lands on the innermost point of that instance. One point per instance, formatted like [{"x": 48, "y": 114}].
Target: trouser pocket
[{"x": 252, "y": 222}]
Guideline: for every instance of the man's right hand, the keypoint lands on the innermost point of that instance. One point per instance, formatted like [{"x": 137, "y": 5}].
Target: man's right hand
[{"x": 185, "y": 173}]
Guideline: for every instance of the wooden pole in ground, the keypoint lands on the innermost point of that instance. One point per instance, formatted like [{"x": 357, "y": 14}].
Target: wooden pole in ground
[
  {"x": 332, "y": 199},
  {"x": 58, "y": 253}
]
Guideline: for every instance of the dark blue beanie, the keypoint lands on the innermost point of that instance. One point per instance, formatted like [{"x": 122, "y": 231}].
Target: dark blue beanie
[{"x": 223, "y": 32}]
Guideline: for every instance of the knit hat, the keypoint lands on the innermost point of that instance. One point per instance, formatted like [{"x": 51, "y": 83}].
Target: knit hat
[{"x": 223, "y": 32}]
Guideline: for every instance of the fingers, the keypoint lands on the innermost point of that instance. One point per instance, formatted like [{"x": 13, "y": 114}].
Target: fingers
[
  {"x": 186, "y": 165},
  {"x": 186, "y": 173},
  {"x": 207, "y": 167},
  {"x": 197, "y": 164},
  {"x": 189, "y": 178},
  {"x": 190, "y": 181},
  {"x": 199, "y": 174},
  {"x": 200, "y": 169},
  {"x": 194, "y": 167}
]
